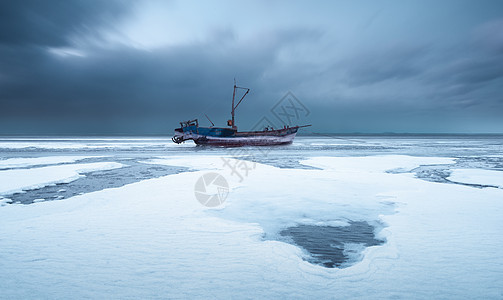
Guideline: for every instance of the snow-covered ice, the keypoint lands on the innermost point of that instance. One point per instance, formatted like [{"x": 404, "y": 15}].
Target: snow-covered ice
[
  {"x": 93, "y": 143},
  {"x": 37, "y": 161},
  {"x": 477, "y": 176},
  {"x": 17, "y": 180},
  {"x": 153, "y": 239}
]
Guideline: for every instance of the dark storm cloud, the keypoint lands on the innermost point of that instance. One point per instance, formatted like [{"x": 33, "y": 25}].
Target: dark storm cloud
[
  {"x": 35, "y": 87},
  {"x": 128, "y": 90},
  {"x": 428, "y": 76},
  {"x": 54, "y": 81},
  {"x": 378, "y": 65},
  {"x": 471, "y": 74},
  {"x": 51, "y": 23}
]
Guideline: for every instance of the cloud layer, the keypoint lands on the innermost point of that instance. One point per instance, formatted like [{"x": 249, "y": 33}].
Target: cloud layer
[{"x": 80, "y": 67}]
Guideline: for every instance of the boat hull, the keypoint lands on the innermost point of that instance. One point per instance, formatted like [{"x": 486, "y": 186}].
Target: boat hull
[
  {"x": 245, "y": 140},
  {"x": 254, "y": 138}
]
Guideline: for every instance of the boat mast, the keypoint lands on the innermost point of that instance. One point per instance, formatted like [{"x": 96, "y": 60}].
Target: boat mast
[
  {"x": 234, "y": 107},
  {"x": 232, "y": 111}
]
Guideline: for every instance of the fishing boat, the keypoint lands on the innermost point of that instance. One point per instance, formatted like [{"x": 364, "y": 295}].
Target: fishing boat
[{"x": 230, "y": 136}]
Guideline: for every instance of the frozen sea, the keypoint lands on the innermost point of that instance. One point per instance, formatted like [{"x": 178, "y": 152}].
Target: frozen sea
[{"x": 329, "y": 217}]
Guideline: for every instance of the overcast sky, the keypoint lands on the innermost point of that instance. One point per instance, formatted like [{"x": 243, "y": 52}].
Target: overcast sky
[{"x": 140, "y": 67}]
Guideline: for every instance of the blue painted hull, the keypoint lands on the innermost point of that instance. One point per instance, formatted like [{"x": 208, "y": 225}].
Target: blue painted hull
[{"x": 232, "y": 138}]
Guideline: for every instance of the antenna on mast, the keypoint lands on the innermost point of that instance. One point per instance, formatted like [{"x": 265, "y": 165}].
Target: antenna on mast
[{"x": 209, "y": 120}]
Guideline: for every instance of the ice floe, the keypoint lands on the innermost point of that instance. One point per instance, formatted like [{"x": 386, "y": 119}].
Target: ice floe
[
  {"x": 17, "y": 180},
  {"x": 478, "y": 177},
  {"x": 37, "y": 161},
  {"x": 86, "y": 143}
]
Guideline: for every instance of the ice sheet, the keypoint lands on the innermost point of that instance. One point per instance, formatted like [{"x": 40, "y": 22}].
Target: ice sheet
[
  {"x": 199, "y": 162},
  {"x": 374, "y": 163},
  {"x": 477, "y": 176},
  {"x": 93, "y": 143},
  {"x": 37, "y": 161},
  {"x": 17, "y": 180},
  {"x": 153, "y": 239}
]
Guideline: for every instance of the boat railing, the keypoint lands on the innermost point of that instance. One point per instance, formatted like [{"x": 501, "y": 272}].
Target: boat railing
[{"x": 189, "y": 123}]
